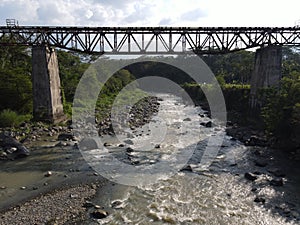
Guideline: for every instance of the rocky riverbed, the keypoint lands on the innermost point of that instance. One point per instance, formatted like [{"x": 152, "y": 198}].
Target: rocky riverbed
[
  {"x": 54, "y": 185},
  {"x": 43, "y": 163}
]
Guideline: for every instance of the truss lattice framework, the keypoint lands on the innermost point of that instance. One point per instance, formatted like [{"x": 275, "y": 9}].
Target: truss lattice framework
[{"x": 151, "y": 40}]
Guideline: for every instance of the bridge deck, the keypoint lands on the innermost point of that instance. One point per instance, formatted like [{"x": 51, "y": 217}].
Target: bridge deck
[{"x": 150, "y": 40}]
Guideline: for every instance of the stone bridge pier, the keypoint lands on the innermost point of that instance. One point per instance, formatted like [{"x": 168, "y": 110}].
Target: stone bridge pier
[
  {"x": 47, "y": 101},
  {"x": 267, "y": 71}
]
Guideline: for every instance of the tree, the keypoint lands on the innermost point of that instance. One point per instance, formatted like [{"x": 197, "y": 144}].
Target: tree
[{"x": 15, "y": 78}]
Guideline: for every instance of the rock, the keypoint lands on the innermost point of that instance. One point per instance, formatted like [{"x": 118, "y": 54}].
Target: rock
[
  {"x": 11, "y": 150},
  {"x": 3, "y": 155},
  {"x": 74, "y": 196},
  {"x": 48, "y": 174},
  {"x": 99, "y": 214},
  {"x": 94, "y": 186},
  {"x": 187, "y": 168},
  {"x": 277, "y": 182},
  {"x": 23, "y": 188},
  {"x": 129, "y": 142},
  {"x": 254, "y": 189},
  {"x": 3, "y": 187},
  {"x": 88, "y": 204},
  {"x": 187, "y": 119},
  {"x": 98, "y": 207},
  {"x": 250, "y": 176},
  {"x": 260, "y": 162},
  {"x": 16, "y": 149},
  {"x": 208, "y": 124},
  {"x": 157, "y": 146},
  {"x": 129, "y": 150},
  {"x": 121, "y": 145},
  {"x": 256, "y": 141},
  {"x": 117, "y": 204},
  {"x": 135, "y": 162},
  {"x": 260, "y": 200},
  {"x": 106, "y": 144},
  {"x": 66, "y": 137}
]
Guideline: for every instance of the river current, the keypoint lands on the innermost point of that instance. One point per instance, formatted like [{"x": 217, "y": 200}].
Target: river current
[{"x": 217, "y": 194}]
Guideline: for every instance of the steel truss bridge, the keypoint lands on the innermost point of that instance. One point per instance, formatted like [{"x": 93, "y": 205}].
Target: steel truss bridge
[{"x": 150, "y": 40}]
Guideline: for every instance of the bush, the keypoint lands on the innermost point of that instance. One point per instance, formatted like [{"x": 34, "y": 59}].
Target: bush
[
  {"x": 9, "y": 118},
  {"x": 281, "y": 113}
]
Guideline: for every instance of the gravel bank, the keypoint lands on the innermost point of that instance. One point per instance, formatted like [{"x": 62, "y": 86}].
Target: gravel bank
[{"x": 57, "y": 207}]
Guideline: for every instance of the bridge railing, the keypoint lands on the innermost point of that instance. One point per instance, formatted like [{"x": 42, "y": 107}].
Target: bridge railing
[{"x": 151, "y": 40}]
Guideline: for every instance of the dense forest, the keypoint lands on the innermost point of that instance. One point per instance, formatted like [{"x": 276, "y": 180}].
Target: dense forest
[{"x": 280, "y": 113}]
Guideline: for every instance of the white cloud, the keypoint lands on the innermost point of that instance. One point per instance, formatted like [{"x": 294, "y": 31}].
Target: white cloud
[
  {"x": 193, "y": 15},
  {"x": 151, "y": 13}
]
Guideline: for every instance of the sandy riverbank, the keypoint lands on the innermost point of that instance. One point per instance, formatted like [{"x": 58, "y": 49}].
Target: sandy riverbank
[{"x": 61, "y": 206}]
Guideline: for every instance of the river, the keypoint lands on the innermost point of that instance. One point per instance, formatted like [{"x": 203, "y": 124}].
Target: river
[{"x": 218, "y": 194}]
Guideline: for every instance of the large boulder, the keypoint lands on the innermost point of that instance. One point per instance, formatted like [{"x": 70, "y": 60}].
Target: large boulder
[{"x": 13, "y": 147}]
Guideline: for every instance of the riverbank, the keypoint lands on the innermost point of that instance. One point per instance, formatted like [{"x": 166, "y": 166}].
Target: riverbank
[
  {"x": 53, "y": 171},
  {"x": 59, "y": 206}
]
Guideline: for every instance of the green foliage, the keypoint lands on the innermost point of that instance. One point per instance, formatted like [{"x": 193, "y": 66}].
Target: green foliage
[
  {"x": 15, "y": 78},
  {"x": 9, "y": 118},
  {"x": 281, "y": 112},
  {"x": 152, "y": 68},
  {"x": 233, "y": 67},
  {"x": 71, "y": 69},
  {"x": 221, "y": 80},
  {"x": 111, "y": 89}
]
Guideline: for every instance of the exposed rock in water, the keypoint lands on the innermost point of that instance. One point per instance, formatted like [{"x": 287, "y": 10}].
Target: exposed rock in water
[
  {"x": 260, "y": 200},
  {"x": 187, "y": 168},
  {"x": 157, "y": 146},
  {"x": 251, "y": 176},
  {"x": 106, "y": 144},
  {"x": 48, "y": 174},
  {"x": 99, "y": 214},
  {"x": 117, "y": 204},
  {"x": 129, "y": 150},
  {"x": 206, "y": 124}
]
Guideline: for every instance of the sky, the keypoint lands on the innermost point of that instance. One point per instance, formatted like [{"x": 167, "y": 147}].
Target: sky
[{"x": 188, "y": 13}]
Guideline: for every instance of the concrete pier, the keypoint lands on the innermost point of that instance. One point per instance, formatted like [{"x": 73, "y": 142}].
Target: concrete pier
[
  {"x": 47, "y": 102},
  {"x": 267, "y": 71}
]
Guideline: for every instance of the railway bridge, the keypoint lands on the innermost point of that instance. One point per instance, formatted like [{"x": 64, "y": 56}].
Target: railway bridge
[{"x": 142, "y": 41}]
